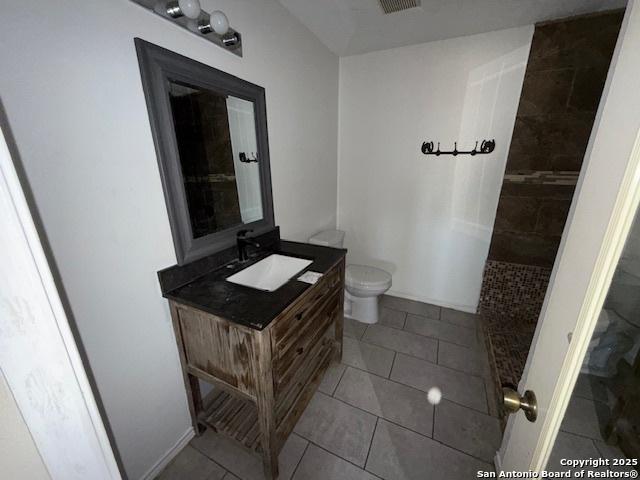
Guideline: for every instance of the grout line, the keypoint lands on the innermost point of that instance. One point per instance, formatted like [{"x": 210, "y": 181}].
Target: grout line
[
  {"x": 438, "y": 352},
  {"x": 340, "y": 380},
  {"x": 393, "y": 362},
  {"x": 433, "y": 423},
  {"x": 439, "y": 442},
  {"x": 293, "y": 474},
  {"x": 406, "y": 386},
  {"x": 213, "y": 460},
  {"x": 404, "y": 320},
  {"x": 342, "y": 458},
  {"x": 371, "y": 442},
  {"x": 583, "y": 436},
  {"x": 420, "y": 358},
  {"x": 411, "y": 313},
  {"x": 470, "y": 347}
]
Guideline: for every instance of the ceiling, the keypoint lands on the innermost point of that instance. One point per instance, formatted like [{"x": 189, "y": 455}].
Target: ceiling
[{"x": 349, "y": 27}]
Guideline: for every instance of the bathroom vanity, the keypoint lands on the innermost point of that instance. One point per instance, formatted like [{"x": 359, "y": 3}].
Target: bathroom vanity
[
  {"x": 264, "y": 352},
  {"x": 243, "y": 321}
]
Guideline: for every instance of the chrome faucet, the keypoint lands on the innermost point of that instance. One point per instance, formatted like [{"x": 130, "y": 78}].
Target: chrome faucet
[{"x": 243, "y": 242}]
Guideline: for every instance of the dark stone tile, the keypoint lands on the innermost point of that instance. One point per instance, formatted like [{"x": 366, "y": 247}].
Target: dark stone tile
[
  {"x": 529, "y": 249},
  {"x": 566, "y": 163},
  {"x": 520, "y": 161},
  {"x": 516, "y": 214},
  {"x": 552, "y": 216},
  {"x": 586, "y": 40},
  {"x": 545, "y": 92},
  {"x": 587, "y": 88},
  {"x": 537, "y": 190},
  {"x": 559, "y": 133}
]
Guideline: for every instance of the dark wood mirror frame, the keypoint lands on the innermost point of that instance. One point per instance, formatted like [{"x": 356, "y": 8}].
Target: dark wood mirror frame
[{"x": 157, "y": 65}]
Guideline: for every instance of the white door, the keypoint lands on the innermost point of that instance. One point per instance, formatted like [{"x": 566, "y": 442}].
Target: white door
[
  {"x": 38, "y": 355},
  {"x": 600, "y": 218}
]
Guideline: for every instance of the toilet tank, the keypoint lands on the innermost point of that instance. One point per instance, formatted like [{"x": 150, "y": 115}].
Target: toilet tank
[{"x": 328, "y": 238}]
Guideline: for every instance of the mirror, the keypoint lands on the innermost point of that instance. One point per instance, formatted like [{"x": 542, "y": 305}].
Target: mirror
[
  {"x": 218, "y": 155},
  {"x": 210, "y": 133}
]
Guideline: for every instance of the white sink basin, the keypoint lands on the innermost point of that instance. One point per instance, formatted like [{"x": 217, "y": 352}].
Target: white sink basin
[{"x": 270, "y": 273}]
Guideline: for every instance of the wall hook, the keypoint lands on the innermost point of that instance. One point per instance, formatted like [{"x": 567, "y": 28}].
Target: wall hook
[{"x": 487, "y": 146}]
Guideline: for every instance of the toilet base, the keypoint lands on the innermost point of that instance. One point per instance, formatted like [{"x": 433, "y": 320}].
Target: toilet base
[{"x": 363, "y": 309}]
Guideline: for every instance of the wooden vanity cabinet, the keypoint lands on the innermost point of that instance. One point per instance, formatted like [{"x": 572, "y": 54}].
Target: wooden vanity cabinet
[{"x": 264, "y": 379}]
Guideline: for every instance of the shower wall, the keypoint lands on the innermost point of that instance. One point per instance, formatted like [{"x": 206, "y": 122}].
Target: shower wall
[{"x": 565, "y": 75}]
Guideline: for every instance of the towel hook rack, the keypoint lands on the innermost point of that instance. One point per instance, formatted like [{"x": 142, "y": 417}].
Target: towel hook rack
[{"x": 487, "y": 146}]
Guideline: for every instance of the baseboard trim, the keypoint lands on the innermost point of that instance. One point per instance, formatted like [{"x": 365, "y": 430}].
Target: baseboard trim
[
  {"x": 462, "y": 308},
  {"x": 182, "y": 442}
]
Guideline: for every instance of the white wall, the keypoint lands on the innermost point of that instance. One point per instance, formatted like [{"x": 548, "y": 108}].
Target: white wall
[
  {"x": 19, "y": 457},
  {"x": 426, "y": 219},
  {"x": 71, "y": 87}
]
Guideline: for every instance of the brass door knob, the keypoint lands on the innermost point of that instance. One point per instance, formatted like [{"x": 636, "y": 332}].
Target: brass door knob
[{"x": 513, "y": 402}]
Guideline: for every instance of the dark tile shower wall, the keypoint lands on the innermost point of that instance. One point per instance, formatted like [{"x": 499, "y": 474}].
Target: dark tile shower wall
[{"x": 563, "y": 83}]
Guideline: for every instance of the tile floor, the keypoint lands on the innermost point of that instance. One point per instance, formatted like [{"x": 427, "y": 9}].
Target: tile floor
[
  {"x": 370, "y": 418},
  {"x": 581, "y": 432}
]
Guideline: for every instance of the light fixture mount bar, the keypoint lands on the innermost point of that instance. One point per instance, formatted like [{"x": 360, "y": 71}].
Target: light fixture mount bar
[{"x": 169, "y": 10}]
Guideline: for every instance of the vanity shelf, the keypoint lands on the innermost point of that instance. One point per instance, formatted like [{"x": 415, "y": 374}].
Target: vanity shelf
[
  {"x": 235, "y": 417},
  {"x": 263, "y": 378}
]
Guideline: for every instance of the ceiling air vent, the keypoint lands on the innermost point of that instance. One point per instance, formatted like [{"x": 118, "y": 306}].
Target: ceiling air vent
[{"x": 391, "y": 6}]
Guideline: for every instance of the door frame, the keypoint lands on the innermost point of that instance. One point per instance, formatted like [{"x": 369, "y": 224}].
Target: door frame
[
  {"x": 38, "y": 353},
  {"x": 620, "y": 220}
]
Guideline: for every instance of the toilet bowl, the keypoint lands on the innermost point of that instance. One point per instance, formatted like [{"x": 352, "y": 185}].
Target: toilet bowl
[{"x": 363, "y": 284}]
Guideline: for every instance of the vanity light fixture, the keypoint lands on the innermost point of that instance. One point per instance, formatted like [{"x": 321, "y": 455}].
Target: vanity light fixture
[
  {"x": 188, "y": 14},
  {"x": 187, "y": 8}
]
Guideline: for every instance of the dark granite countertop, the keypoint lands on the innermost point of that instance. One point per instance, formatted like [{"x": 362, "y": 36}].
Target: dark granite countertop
[{"x": 247, "y": 306}]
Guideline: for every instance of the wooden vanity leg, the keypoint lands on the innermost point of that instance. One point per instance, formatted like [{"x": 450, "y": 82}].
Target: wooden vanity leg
[
  {"x": 266, "y": 405},
  {"x": 191, "y": 384}
]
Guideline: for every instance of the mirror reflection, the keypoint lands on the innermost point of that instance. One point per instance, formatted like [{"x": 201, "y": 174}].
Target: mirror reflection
[{"x": 216, "y": 138}]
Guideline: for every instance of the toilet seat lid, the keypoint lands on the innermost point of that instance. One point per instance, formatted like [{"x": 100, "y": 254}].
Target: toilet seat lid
[{"x": 364, "y": 276}]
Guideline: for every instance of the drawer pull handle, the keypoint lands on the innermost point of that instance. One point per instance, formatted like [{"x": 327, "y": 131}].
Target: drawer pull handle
[{"x": 300, "y": 350}]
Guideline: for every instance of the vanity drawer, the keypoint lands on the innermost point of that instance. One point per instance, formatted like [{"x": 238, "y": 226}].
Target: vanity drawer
[
  {"x": 292, "y": 356},
  {"x": 289, "y": 327},
  {"x": 316, "y": 361}
]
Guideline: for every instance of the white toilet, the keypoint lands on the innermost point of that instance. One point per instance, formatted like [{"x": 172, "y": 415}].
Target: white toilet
[{"x": 363, "y": 284}]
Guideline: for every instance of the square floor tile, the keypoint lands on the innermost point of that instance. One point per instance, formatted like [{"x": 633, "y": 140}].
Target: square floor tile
[
  {"x": 331, "y": 378},
  {"x": 318, "y": 464},
  {"x": 397, "y": 453},
  {"x": 570, "y": 446},
  {"x": 456, "y": 317},
  {"x": 441, "y": 330},
  {"x": 365, "y": 356},
  {"x": 467, "y": 430},
  {"x": 353, "y": 328},
  {"x": 612, "y": 452},
  {"x": 401, "y": 341},
  {"x": 456, "y": 386},
  {"x": 340, "y": 428},
  {"x": 192, "y": 464},
  {"x": 398, "y": 403},
  {"x": 585, "y": 417},
  {"x": 410, "y": 306},
  {"x": 392, "y": 318},
  {"x": 242, "y": 463},
  {"x": 469, "y": 360},
  {"x": 594, "y": 388}
]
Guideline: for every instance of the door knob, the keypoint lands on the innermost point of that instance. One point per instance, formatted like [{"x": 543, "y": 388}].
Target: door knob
[{"x": 513, "y": 402}]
